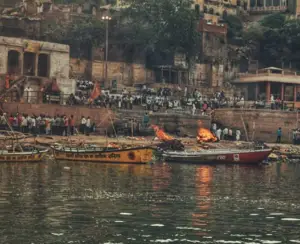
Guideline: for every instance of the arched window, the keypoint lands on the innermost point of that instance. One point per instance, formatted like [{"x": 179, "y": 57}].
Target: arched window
[
  {"x": 205, "y": 9},
  {"x": 13, "y": 62},
  {"x": 211, "y": 11}
]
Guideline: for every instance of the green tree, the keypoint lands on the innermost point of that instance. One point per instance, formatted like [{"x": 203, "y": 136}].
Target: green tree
[
  {"x": 167, "y": 26},
  {"x": 82, "y": 34}
]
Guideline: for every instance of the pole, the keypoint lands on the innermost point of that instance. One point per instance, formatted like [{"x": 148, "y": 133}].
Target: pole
[
  {"x": 106, "y": 49},
  {"x": 131, "y": 131},
  {"x": 245, "y": 129},
  {"x": 297, "y": 125}
]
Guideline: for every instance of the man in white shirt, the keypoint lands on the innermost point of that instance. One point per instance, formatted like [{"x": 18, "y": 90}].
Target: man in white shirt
[
  {"x": 193, "y": 109},
  {"x": 225, "y": 133},
  {"x": 28, "y": 93},
  {"x": 218, "y": 134},
  {"x": 238, "y": 135},
  {"x": 82, "y": 125}
]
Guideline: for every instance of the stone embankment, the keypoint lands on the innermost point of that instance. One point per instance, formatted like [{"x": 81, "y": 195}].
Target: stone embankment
[{"x": 260, "y": 124}]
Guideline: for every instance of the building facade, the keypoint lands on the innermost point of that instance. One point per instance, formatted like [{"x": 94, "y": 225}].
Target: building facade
[
  {"x": 39, "y": 62},
  {"x": 268, "y": 82}
]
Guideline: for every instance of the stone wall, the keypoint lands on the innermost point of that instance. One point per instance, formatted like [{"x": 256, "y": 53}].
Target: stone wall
[
  {"x": 124, "y": 73},
  {"x": 80, "y": 68},
  {"x": 260, "y": 124},
  {"x": 170, "y": 121}
]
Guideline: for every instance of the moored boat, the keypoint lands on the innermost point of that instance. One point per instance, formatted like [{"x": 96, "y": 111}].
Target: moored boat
[
  {"x": 224, "y": 156},
  {"x": 34, "y": 155},
  {"x": 12, "y": 150},
  {"x": 134, "y": 155}
]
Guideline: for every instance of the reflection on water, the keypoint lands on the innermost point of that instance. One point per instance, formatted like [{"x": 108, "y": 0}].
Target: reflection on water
[{"x": 103, "y": 203}]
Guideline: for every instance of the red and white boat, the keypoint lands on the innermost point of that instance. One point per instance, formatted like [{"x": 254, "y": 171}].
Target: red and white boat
[{"x": 224, "y": 156}]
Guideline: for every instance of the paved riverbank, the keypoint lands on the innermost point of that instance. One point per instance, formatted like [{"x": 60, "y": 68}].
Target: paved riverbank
[{"x": 140, "y": 141}]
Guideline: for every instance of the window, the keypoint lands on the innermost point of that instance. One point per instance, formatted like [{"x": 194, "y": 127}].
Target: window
[
  {"x": 43, "y": 65},
  {"x": 13, "y": 62},
  {"x": 29, "y": 64}
]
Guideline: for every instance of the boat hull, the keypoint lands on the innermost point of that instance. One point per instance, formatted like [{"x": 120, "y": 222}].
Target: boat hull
[
  {"x": 139, "y": 155},
  {"x": 220, "y": 157},
  {"x": 25, "y": 157}
]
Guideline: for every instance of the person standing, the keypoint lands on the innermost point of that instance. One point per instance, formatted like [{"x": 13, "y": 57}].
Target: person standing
[
  {"x": 225, "y": 133},
  {"x": 88, "y": 126},
  {"x": 47, "y": 125},
  {"x": 279, "y": 134},
  {"x": 66, "y": 125},
  {"x": 33, "y": 125},
  {"x": 193, "y": 109},
  {"x": 218, "y": 134},
  {"x": 214, "y": 128},
  {"x": 146, "y": 120},
  {"x": 82, "y": 124},
  {"x": 230, "y": 135},
  {"x": 238, "y": 135},
  {"x": 72, "y": 125}
]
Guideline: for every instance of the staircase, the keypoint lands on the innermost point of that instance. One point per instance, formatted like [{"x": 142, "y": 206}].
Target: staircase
[{"x": 18, "y": 81}]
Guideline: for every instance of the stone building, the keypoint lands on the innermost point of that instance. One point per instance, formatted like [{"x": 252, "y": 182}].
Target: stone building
[
  {"x": 267, "y": 6},
  {"x": 282, "y": 84},
  {"x": 221, "y": 7},
  {"x": 39, "y": 62},
  {"x": 213, "y": 53}
]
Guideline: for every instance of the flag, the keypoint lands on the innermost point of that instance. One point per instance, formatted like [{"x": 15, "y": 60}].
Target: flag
[
  {"x": 96, "y": 91},
  {"x": 7, "y": 79},
  {"x": 54, "y": 86}
]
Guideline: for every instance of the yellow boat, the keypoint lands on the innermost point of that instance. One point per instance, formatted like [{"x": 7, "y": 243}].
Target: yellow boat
[
  {"x": 136, "y": 155},
  {"x": 27, "y": 157},
  {"x": 12, "y": 150}
]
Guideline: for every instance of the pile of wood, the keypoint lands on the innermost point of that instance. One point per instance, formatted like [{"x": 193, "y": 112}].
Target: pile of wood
[{"x": 171, "y": 145}]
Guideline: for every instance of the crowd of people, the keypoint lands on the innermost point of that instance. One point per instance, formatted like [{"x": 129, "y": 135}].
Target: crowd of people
[
  {"x": 46, "y": 125},
  {"x": 226, "y": 133},
  {"x": 158, "y": 100}
]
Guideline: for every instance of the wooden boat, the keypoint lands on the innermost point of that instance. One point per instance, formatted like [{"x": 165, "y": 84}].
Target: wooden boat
[
  {"x": 25, "y": 156},
  {"x": 238, "y": 156},
  {"x": 136, "y": 155},
  {"x": 12, "y": 150}
]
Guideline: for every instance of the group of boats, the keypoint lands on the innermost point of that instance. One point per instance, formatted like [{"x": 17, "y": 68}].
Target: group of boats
[{"x": 16, "y": 152}]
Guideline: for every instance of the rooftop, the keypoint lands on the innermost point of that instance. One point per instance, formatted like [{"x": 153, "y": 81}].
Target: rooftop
[
  {"x": 20, "y": 42},
  {"x": 271, "y": 74}
]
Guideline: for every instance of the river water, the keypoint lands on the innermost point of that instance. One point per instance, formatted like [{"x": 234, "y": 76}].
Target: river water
[{"x": 161, "y": 203}]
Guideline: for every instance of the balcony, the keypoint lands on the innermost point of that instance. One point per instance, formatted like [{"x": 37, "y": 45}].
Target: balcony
[
  {"x": 268, "y": 9},
  {"x": 270, "y": 74}
]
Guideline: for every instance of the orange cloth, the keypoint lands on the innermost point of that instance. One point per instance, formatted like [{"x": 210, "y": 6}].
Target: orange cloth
[
  {"x": 7, "y": 81},
  {"x": 96, "y": 91}
]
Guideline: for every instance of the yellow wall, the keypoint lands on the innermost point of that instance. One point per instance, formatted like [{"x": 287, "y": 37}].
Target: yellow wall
[{"x": 124, "y": 73}]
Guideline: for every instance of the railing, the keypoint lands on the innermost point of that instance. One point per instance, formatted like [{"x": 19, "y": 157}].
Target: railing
[
  {"x": 265, "y": 73},
  {"x": 268, "y": 9}
]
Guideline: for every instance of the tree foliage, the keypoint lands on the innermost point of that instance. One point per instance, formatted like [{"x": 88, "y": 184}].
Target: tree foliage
[
  {"x": 274, "y": 41},
  {"x": 81, "y": 34},
  {"x": 166, "y": 26}
]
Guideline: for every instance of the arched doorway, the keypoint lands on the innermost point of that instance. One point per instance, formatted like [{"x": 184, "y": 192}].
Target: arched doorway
[{"x": 13, "y": 62}]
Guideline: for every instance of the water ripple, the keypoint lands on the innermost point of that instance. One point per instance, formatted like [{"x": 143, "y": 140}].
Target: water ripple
[{"x": 161, "y": 203}]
